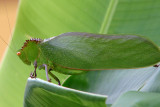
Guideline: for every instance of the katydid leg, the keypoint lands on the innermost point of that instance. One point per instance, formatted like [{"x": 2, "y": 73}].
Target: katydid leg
[
  {"x": 34, "y": 74},
  {"x": 46, "y": 70},
  {"x": 35, "y": 67},
  {"x": 157, "y": 65},
  {"x": 52, "y": 75}
]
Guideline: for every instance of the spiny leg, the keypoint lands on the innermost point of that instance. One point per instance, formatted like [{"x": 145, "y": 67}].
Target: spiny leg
[
  {"x": 52, "y": 75},
  {"x": 34, "y": 74}
]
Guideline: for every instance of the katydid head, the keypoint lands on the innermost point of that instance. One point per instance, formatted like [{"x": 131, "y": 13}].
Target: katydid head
[
  {"x": 29, "y": 51},
  {"x": 21, "y": 54}
]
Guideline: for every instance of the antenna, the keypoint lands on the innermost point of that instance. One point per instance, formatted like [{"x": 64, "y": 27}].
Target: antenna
[
  {"x": 9, "y": 27},
  {"x": 6, "y": 43},
  {"x": 7, "y": 16}
]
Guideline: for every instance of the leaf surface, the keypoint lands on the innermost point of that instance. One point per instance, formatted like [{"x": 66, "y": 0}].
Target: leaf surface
[
  {"x": 42, "y": 93},
  {"x": 112, "y": 83},
  {"x": 44, "y": 19},
  {"x": 153, "y": 85},
  {"x": 138, "y": 99}
]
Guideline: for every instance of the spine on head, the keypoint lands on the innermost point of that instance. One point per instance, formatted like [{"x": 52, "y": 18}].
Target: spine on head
[
  {"x": 35, "y": 40},
  {"x": 31, "y": 49}
]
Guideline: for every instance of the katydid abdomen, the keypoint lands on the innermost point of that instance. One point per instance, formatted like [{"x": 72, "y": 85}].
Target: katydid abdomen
[{"x": 75, "y": 52}]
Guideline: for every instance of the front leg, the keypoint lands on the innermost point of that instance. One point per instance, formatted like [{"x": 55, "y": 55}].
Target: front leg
[
  {"x": 35, "y": 67},
  {"x": 34, "y": 74}
]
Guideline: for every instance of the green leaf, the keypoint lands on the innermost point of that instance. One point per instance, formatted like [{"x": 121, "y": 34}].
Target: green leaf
[
  {"x": 140, "y": 17},
  {"x": 42, "y": 93},
  {"x": 152, "y": 85},
  {"x": 112, "y": 83},
  {"x": 44, "y": 19},
  {"x": 138, "y": 99}
]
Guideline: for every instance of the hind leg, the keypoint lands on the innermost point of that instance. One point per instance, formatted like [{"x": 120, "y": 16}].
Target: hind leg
[{"x": 52, "y": 75}]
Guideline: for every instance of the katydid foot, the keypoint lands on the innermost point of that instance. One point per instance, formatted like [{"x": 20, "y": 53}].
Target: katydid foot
[
  {"x": 157, "y": 65},
  {"x": 33, "y": 74}
]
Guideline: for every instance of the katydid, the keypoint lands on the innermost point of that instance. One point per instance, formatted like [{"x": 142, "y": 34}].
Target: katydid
[{"x": 74, "y": 53}]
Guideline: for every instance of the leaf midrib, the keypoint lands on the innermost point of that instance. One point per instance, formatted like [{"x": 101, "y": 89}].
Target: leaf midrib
[{"x": 108, "y": 16}]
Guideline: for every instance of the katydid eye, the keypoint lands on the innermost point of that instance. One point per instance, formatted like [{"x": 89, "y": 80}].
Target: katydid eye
[{"x": 18, "y": 53}]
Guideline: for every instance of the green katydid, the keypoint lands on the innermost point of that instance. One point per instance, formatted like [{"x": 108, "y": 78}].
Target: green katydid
[{"x": 74, "y": 53}]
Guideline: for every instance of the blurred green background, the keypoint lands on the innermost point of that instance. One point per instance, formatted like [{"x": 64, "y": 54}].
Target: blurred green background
[{"x": 44, "y": 19}]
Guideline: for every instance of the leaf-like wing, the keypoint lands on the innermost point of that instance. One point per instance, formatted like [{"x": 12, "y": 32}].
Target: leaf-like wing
[{"x": 86, "y": 51}]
